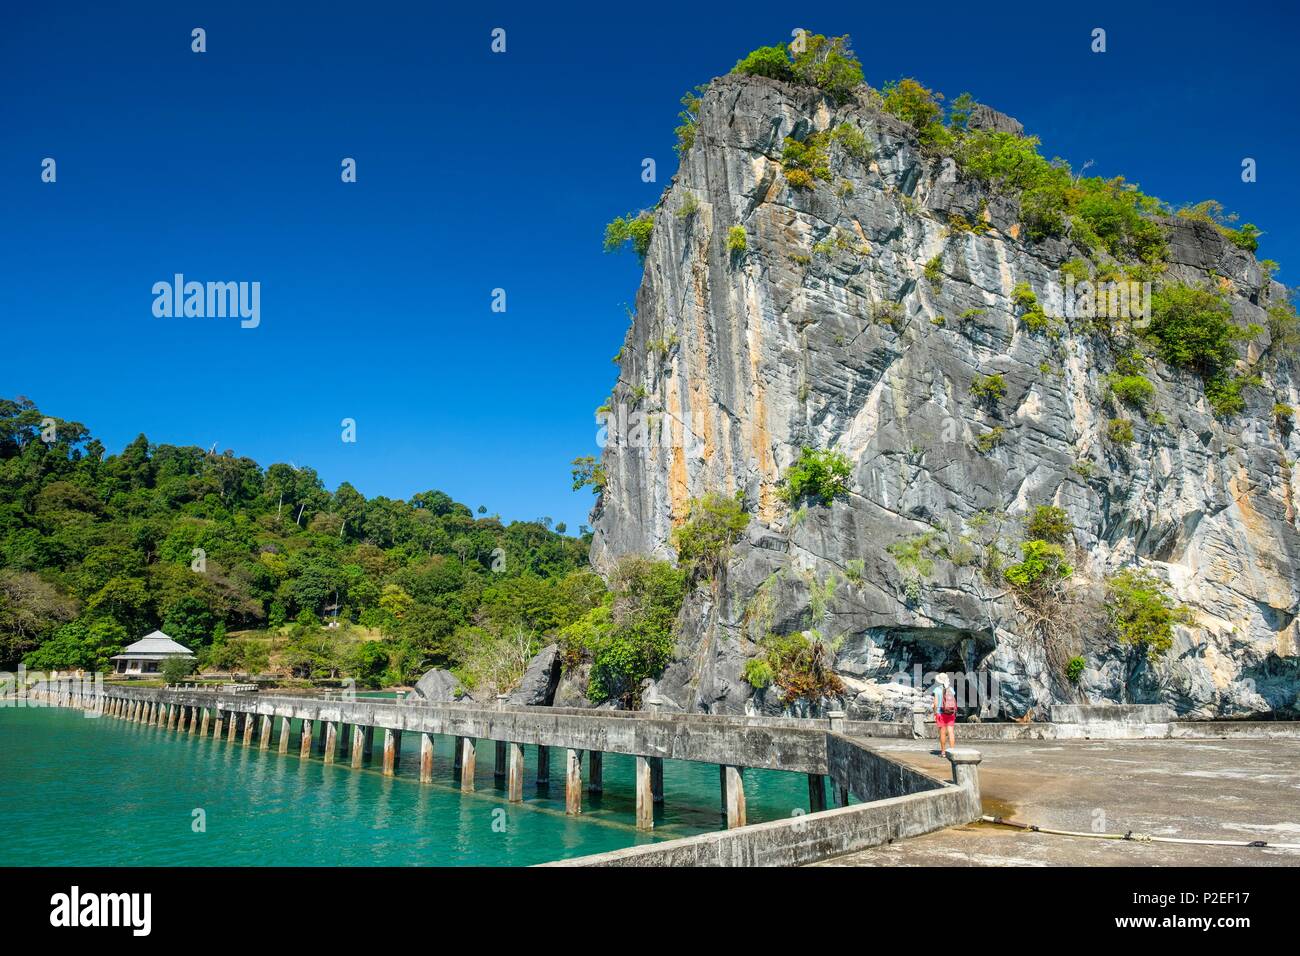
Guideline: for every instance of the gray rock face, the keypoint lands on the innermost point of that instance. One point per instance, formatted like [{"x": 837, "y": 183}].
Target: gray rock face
[
  {"x": 440, "y": 686},
  {"x": 537, "y": 689},
  {"x": 745, "y": 357},
  {"x": 984, "y": 117}
]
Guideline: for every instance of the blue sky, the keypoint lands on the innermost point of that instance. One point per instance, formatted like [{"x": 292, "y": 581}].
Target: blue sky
[{"x": 479, "y": 171}]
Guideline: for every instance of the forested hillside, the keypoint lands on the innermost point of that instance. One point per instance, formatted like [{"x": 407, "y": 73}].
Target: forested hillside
[{"x": 98, "y": 549}]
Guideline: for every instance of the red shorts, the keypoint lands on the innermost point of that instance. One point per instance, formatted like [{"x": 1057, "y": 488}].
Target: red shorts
[{"x": 945, "y": 720}]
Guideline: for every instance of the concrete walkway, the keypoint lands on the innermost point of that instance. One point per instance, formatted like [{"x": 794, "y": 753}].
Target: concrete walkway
[{"x": 1210, "y": 789}]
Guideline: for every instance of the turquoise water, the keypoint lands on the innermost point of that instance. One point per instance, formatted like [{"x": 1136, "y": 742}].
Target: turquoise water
[{"x": 104, "y": 792}]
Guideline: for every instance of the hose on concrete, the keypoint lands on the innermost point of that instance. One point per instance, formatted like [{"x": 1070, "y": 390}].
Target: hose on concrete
[{"x": 1133, "y": 837}]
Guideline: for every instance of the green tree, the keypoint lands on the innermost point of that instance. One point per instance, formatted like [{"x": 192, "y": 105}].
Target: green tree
[{"x": 703, "y": 543}]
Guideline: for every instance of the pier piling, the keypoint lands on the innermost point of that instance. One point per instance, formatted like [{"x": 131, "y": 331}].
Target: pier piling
[
  {"x": 645, "y": 801},
  {"x": 426, "y": 758},
  {"x": 468, "y": 756},
  {"x": 392, "y": 750},
  {"x": 515, "y": 772},
  {"x": 331, "y": 740},
  {"x": 543, "y": 765},
  {"x": 734, "y": 784},
  {"x": 358, "y": 745},
  {"x": 573, "y": 781}
]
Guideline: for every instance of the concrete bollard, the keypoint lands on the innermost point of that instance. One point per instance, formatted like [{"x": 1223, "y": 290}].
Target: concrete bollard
[
  {"x": 919, "y": 713},
  {"x": 965, "y": 774},
  {"x": 836, "y": 719}
]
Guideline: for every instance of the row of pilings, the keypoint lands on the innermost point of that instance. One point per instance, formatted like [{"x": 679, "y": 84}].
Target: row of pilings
[{"x": 335, "y": 741}]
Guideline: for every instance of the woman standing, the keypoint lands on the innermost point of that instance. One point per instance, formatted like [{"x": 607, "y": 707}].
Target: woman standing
[{"x": 945, "y": 714}]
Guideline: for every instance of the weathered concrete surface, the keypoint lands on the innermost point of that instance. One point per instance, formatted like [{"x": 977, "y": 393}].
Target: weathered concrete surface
[
  {"x": 1191, "y": 789},
  {"x": 799, "y": 840}
]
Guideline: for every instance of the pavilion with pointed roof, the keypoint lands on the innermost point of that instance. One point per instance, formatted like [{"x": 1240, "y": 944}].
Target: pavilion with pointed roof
[{"x": 146, "y": 655}]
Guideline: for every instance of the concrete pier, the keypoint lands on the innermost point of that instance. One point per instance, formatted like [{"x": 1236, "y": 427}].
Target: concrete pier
[
  {"x": 358, "y": 745},
  {"x": 219, "y": 724},
  {"x": 392, "y": 750},
  {"x": 467, "y": 759},
  {"x": 733, "y": 743},
  {"x": 426, "y": 758},
  {"x": 645, "y": 801},
  {"x": 573, "y": 781},
  {"x": 515, "y": 773},
  {"x": 331, "y": 740}
]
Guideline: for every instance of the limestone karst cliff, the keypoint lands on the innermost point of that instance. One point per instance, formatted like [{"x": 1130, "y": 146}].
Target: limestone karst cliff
[{"x": 862, "y": 308}]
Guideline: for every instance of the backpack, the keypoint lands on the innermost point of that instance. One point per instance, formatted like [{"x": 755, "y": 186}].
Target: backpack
[{"x": 949, "y": 701}]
